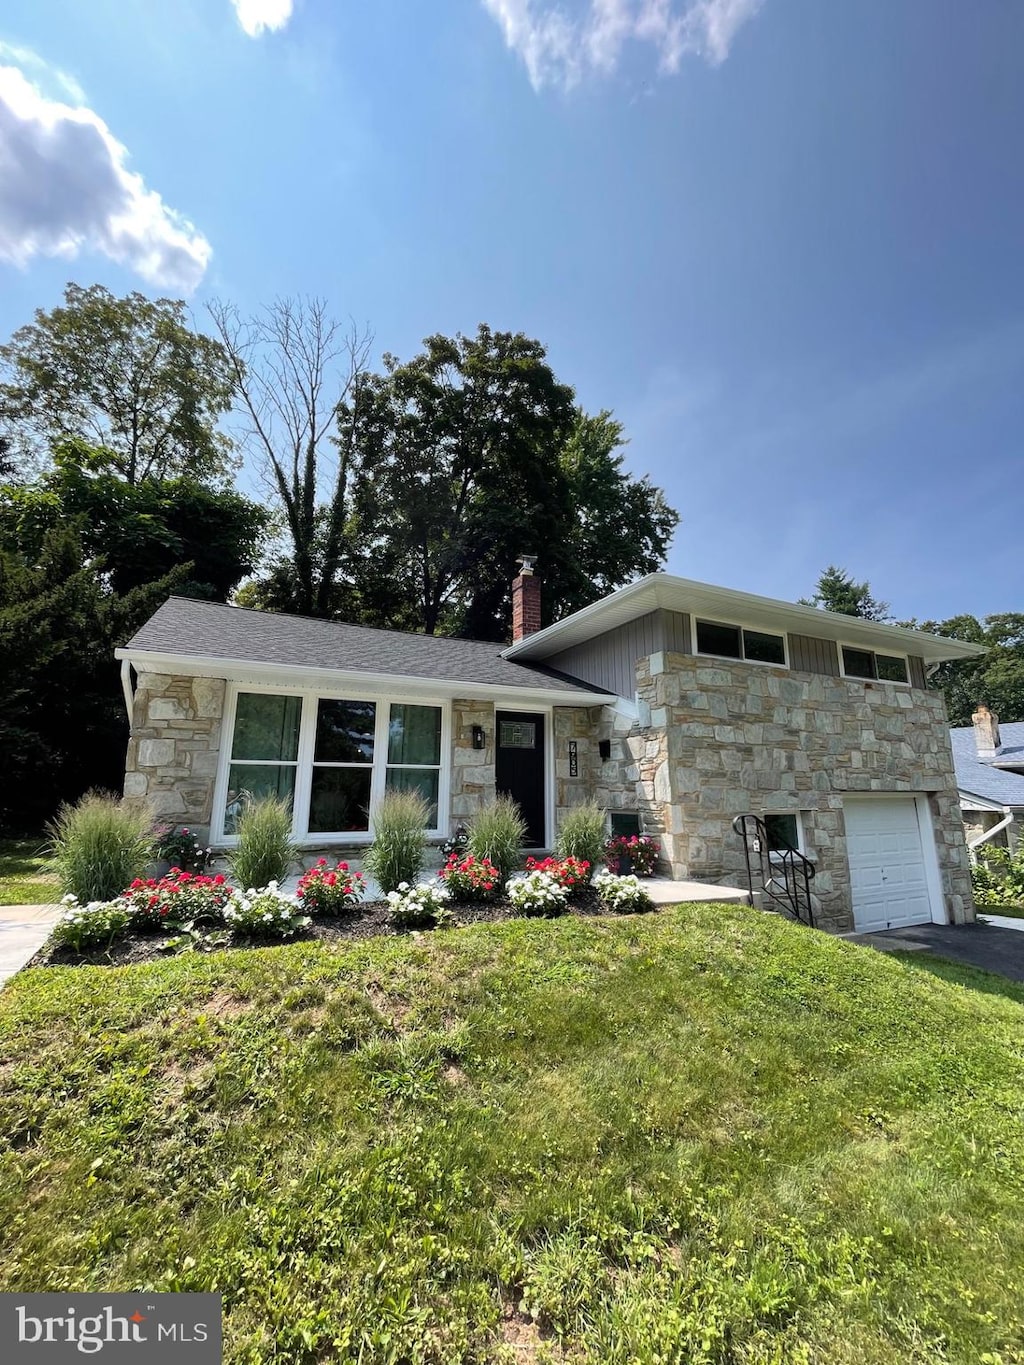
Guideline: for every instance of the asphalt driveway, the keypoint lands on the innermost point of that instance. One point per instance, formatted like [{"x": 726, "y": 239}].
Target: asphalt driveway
[{"x": 991, "y": 947}]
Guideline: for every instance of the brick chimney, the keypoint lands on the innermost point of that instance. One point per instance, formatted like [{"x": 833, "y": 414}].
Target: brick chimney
[
  {"x": 986, "y": 732},
  {"x": 525, "y": 600}
]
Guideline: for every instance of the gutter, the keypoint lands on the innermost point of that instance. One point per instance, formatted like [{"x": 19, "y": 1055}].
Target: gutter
[
  {"x": 126, "y": 688},
  {"x": 1004, "y": 823}
]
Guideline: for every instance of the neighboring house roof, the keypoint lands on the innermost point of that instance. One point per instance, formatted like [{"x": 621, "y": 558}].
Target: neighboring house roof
[
  {"x": 211, "y": 633},
  {"x": 662, "y": 590},
  {"x": 983, "y": 777}
]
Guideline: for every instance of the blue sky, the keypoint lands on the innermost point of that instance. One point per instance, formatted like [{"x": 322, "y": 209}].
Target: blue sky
[{"x": 781, "y": 240}]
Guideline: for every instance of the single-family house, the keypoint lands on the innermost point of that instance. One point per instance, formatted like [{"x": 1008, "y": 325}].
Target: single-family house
[
  {"x": 989, "y": 762},
  {"x": 674, "y": 705}
]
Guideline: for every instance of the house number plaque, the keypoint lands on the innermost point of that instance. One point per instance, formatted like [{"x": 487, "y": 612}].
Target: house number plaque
[{"x": 574, "y": 762}]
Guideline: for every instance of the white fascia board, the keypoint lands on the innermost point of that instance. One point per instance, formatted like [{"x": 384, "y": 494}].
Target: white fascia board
[
  {"x": 728, "y": 605},
  {"x": 355, "y": 680},
  {"x": 969, "y": 801}
]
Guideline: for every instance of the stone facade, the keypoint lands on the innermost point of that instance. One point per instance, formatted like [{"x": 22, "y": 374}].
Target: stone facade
[
  {"x": 174, "y": 746},
  {"x": 727, "y": 737},
  {"x": 714, "y": 739},
  {"x": 472, "y": 769}
]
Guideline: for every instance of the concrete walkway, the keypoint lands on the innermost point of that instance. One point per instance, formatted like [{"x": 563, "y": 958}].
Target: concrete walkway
[
  {"x": 664, "y": 892},
  {"x": 23, "y": 931},
  {"x": 989, "y": 946}
]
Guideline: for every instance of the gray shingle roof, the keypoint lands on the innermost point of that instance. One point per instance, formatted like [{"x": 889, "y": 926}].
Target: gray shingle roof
[
  {"x": 186, "y": 627},
  {"x": 979, "y": 776}
]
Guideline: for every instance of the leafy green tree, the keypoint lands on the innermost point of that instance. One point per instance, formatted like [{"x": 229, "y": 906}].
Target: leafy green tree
[
  {"x": 995, "y": 678},
  {"x": 621, "y": 526},
  {"x": 62, "y": 721},
  {"x": 837, "y": 591},
  {"x": 128, "y": 375},
  {"x": 469, "y": 455},
  {"x": 141, "y": 532}
]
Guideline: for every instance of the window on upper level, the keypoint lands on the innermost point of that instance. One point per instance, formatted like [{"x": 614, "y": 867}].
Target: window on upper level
[
  {"x": 740, "y": 642},
  {"x": 865, "y": 663}
]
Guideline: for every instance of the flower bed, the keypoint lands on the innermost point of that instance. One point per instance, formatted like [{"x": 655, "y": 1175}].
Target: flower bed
[
  {"x": 178, "y": 898},
  {"x": 326, "y": 890},
  {"x": 121, "y": 940}
]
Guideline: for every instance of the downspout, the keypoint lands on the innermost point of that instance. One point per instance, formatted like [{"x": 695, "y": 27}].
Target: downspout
[
  {"x": 126, "y": 688},
  {"x": 1004, "y": 823}
]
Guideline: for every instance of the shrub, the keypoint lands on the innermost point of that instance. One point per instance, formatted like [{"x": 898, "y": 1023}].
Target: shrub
[
  {"x": 623, "y": 895},
  {"x": 326, "y": 890},
  {"x": 178, "y": 898},
  {"x": 95, "y": 925},
  {"x": 997, "y": 878},
  {"x": 99, "y": 845},
  {"x": 419, "y": 907},
  {"x": 497, "y": 834},
  {"x": 639, "y": 851},
  {"x": 572, "y": 874},
  {"x": 582, "y": 834},
  {"x": 181, "y": 848},
  {"x": 265, "y": 850},
  {"x": 538, "y": 893},
  {"x": 399, "y": 839},
  {"x": 467, "y": 878},
  {"x": 266, "y": 913}
]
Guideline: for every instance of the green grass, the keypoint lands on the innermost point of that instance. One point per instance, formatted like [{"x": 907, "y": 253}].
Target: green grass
[
  {"x": 1011, "y": 911},
  {"x": 24, "y": 879},
  {"x": 700, "y": 1136}
]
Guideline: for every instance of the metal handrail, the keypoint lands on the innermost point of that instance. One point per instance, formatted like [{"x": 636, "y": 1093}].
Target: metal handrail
[{"x": 785, "y": 877}]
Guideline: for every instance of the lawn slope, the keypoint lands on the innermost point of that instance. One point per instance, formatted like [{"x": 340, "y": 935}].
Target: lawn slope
[{"x": 701, "y": 1136}]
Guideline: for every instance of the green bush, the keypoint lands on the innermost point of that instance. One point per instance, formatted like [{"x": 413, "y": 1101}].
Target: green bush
[
  {"x": 497, "y": 833},
  {"x": 582, "y": 835},
  {"x": 100, "y": 845},
  {"x": 997, "y": 878},
  {"x": 265, "y": 850},
  {"x": 399, "y": 839}
]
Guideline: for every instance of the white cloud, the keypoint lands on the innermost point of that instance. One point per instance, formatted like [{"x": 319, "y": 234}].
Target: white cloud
[
  {"x": 65, "y": 187},
  {"x": 561, "y": 48},
  {"x": 256, "y": 16}
]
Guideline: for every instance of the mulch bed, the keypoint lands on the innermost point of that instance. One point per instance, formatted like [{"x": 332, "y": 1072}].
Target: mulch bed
[{"x": 366, "y": 921}]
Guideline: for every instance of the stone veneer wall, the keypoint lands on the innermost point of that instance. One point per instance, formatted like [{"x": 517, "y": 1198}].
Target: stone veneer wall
[
  {"x": 174, "y": 745},
  {"x": 731, "y": 737},
  {"x": 472, "y": 769}
]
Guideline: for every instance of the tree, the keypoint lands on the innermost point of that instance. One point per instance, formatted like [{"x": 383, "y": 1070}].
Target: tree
[
  {"x": 621, "y": 526},
  {"x": 126, "y": 374},
  {"x": 140, "y": 532},
  {"x": 995, "y": 678},
  {"x": 63, "y": 726},
  {"x": 295, "y": 369},
  {"x": 469, "y": 455},
  {"x": 85, "y": 558},
  {"x": 837, "y": 591}
]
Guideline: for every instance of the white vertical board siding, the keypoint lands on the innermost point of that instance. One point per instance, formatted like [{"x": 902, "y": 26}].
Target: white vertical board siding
[{"x": 888, "y": 875}]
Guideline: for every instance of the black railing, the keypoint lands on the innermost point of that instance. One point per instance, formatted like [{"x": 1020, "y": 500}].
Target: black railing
[{"x": 784, "y": 873}]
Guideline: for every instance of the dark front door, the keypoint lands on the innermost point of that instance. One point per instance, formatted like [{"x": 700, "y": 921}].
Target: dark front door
[{"x": 519, "y": 769}]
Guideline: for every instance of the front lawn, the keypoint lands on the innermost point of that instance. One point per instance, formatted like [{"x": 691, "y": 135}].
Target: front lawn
[
  {"x": 24, "y": 879},
  {"x": 701, "y": 1136}
]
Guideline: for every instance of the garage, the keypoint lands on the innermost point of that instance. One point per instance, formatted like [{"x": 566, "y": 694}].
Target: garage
[{"x": 888, "y": 870}]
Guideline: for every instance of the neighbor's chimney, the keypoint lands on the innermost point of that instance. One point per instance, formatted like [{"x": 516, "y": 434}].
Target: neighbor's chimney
[
  {"x": 986, "y": 732},
  {"x": 525, "y": 600}
]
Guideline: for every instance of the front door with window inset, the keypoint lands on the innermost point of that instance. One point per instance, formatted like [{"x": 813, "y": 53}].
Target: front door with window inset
[{"x": 519, "y": 768}]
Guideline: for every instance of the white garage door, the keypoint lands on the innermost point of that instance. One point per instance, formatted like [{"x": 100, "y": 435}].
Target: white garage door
[{"x": 887, "y": 869}]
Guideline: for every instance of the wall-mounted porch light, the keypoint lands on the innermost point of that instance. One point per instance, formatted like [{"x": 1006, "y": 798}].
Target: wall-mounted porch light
[{"x": 479, "y": 738}]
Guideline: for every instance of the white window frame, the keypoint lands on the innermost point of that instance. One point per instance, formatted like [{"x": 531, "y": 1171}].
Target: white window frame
[
  {"x": 867, "y": 649},
  {"x": 801, "y": 845},
  {"x": 303, "y": 763},
  {"x": 741, "y": 626}
]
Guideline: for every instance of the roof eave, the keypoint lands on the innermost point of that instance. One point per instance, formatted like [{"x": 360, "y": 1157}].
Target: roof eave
[
  {"x": 301, "y": 676},
  {"x": 684, "y": 594}
]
